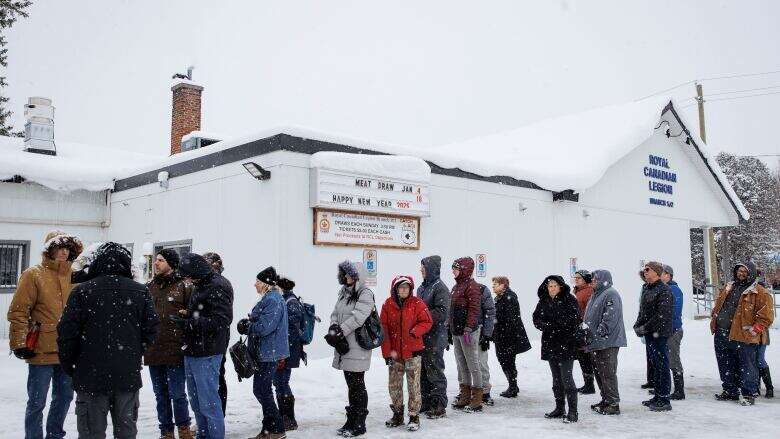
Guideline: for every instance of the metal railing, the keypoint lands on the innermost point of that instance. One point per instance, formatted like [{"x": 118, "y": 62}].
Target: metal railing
[{"x": 704, "y": 299}]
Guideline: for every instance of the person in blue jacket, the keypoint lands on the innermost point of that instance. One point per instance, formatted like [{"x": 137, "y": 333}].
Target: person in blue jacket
[
  {"x": 268, "y": 346},
  {"x": 677, "y": 334},
  {"x": 284, "y": 395}
]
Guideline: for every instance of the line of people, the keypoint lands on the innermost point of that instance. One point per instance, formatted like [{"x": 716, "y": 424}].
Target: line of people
[{"x": 94, "y": 338}]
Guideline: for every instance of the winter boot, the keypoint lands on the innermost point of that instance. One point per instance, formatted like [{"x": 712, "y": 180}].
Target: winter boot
[
  {"x": 726, "y": 396},
  {"x": 558, "y": 412},
  {"x": 347, "y": 425},
  {"x": 597, "y": 407},
  {"x": 185, "y": 432},
  {"x": 358, "y": 427},
  {"x": 609, "y": 409},
  {"x": 414, "y": 423},
  {"x": 651, "y": 401},
  {"x": 587, "y": 388},
  {"x": 571, "y": 399},
  {"x": 398, "y": 417},
  {"x": 282, "y": 435},
  {"x": 287, "y": 411},
  {"x": 487, "y": 400},
  {"x": 512, "y": 390},
  {"x": 747, "y": 400},
  {"x": 463, "y": 398},
  {"x": 766, "y": 377},
  {"x": 661, "y": 405},
  {"x": 438, "y": 411},
  {"x": 679, "y": 387},
  {"x": 168, "y": 435},
  {"x": 475, "y": 405}
]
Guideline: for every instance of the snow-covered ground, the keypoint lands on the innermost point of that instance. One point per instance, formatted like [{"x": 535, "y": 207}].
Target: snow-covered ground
[{"x": 321, "y": 398}]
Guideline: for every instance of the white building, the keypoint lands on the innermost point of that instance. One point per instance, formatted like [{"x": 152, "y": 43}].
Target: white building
[{"x": 609, "y": 188}]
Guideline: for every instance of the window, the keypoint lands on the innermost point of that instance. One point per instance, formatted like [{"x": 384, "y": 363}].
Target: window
[
  {"x": 14, "y": 258},
  {"x": 181, "y": 247}
]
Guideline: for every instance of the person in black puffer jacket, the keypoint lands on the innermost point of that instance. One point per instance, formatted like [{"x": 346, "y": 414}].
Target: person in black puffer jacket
[
  {"x": 206, "y": 325},
  {"x": 106, "y": 326},
  {"x": 557, "y": 316}
]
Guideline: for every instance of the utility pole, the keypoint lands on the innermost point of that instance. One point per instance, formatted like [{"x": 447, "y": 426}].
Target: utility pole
[{"x": 710, "y": 253}]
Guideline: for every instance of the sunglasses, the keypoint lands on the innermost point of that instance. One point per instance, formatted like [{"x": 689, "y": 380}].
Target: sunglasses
[{"x": 647, "y": 269}]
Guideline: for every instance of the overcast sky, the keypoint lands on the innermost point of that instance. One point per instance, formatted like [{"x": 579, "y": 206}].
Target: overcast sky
[{"x": 407, "y": 72}]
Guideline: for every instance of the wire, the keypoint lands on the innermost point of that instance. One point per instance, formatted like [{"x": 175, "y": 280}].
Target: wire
[
  {"x": 744, "y": 75},
  {"x": 741, "y": 97},
  {"x": 664, "y": 91},
  {"x": 743, "y": 91}
]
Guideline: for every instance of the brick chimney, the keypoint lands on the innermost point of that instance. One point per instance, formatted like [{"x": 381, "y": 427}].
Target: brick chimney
[{"x": 185, "y": 117}]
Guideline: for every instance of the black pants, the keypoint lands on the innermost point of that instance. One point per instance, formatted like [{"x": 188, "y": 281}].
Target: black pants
[
  {"x": 433, "y": 382},
  {"x": 356, "y": 389},
  {"x": 223, "y": 385},
  {"x": 563, "y": 380},
  {"x": 586, "y": 363},
  {"x": 506, "y": 359},
  {"x": 605, "y": 362}
]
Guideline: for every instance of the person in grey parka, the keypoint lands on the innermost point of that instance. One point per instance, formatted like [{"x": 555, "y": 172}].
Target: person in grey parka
[
  {"x": 355, "y": 303},
  {"x": 603, "y": 321},
  {"x": 487, "y": 320}
]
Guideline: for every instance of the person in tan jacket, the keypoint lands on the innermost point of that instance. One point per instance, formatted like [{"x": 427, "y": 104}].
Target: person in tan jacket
[
  {"x": 742, "y": 311},
  {"x": 37, "y": 305}
]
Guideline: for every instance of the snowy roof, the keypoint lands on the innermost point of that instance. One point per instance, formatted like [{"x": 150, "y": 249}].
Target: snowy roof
[
  {"x": 406, "y": 167},
  {"x": 76, "y": 166}
]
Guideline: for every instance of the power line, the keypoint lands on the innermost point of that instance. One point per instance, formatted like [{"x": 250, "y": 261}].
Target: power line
[
  {"x": 743, "y": 91},
  {"x": 742, "y": 97},
  {"x": 712, "y": 78}
]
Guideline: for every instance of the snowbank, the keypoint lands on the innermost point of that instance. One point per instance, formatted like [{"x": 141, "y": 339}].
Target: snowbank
[
  {"x": 76, "y": 166},
  {"x": 405, "y": 167}
]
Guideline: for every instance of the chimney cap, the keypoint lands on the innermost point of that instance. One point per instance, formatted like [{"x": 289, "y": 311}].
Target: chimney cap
[{"x": 185, "y": 83}]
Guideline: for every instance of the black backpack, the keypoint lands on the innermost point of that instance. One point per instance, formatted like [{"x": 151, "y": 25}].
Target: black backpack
[{"x": 243, "y": 362}]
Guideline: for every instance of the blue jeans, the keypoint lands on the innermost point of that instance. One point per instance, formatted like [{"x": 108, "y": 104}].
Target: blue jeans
[
  {"x": 38, "y": 379},
  {"x": 168, "y": 383},
  {"x": 272, "y": 420},
  {"x": 203, "y": 387},
  {"x": 761, "y": 357},
  {"x": 282, "y": 382},
  {"x": 736, "y": 364},
  {"x": 659, "y": 358}
]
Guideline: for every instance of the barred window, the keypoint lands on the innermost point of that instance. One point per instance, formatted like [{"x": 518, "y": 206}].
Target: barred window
[{"x": 14, "y": 258}]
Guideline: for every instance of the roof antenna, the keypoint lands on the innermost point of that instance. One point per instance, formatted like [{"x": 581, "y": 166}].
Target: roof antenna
[{"x": 188, "y": 76}]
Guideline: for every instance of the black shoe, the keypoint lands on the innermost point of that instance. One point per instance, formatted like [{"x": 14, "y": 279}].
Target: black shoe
[
  {"x": 609, "y": 409},
  {"x": 725, "y": 396},
  {"x": 487, "y": 400},
  {"x": 766, "y": 377},
  {"x": 587, "y": 388},
  {"x": 571, "y": 415},
  {"x": 597, "y": 407},
  {"x": 510, "y": 392},
  {"x": 679, "y": 387},
  {"x": 647, "y": 386},
  {"x": 358, "y": 427},
  {"x": 747, "y": 400},
  {"x": 660, "y": 405},
  {"x": 436, "y": 412},
  {"x": 650, "y": 402},
  {"x": 347, "y": 425},
  {"x": 558, "y": 412},
  {"x": 398, "y": 417},
  {"x": 414, "y": 423}
]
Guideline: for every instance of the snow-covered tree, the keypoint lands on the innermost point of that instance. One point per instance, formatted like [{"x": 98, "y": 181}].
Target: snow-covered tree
[{"x": 10, "y": 11}]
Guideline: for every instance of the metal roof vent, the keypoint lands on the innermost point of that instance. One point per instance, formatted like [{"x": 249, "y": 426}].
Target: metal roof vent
[{"x": 39, "y": 128}]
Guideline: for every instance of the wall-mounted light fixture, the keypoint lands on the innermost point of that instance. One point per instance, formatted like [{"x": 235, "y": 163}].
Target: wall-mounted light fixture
[
  {"x": 522, "y": 207},
  {"x": 257, "y": 171}
]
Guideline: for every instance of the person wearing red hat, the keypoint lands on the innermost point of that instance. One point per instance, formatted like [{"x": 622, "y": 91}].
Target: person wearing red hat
[{"x": 405, "y": 319}]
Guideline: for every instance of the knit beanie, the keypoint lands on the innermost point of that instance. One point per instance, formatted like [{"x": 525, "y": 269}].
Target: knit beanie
[
  {"x": 268, "y": 276},
  {"x": 586, "y": 275},
  {"x": 171, "y": 257},
  {"x": 668, "y": 269}
]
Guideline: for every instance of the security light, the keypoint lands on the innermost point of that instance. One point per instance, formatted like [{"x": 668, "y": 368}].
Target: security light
[{"x": 256, "y": 171}]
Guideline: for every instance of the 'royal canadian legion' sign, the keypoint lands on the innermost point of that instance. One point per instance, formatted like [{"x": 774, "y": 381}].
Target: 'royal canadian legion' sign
[
  {"x": 660, "y": 181},
  {"x": 351, "y": 192},
  {"x": 334, "y": 227}
]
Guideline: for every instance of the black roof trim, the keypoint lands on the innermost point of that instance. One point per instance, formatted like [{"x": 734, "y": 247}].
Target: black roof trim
[
  {"x": 286, "y": 142},
  {"x": 567, "y": 195},
  {"x": 670, "y": 108}
]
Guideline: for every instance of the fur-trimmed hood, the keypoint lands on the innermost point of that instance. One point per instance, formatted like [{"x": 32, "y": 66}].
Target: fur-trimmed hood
[{"x": 57, "y": 238}]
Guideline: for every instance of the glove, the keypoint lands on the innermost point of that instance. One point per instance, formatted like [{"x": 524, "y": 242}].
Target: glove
[
  {"x": 243, "y": 326},
  {"x": 333, "y": 335},
  {"x": 640, "y": 331},
  {"x": 467, "y": 337},
  {"x": 24, "y": 353},
  {"x": 484, "y": 343},
  {"x": 281, "y": 364}
]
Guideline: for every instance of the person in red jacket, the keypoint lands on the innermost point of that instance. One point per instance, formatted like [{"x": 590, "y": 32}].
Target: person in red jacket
[
  {"x": 465, "y": 309},
  {"x": 405, "y": 319}
]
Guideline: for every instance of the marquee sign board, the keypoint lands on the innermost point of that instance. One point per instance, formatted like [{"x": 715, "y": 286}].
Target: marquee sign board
[
  {"x": 363, "y": 193},
  {"x": 336, "y": 227}
]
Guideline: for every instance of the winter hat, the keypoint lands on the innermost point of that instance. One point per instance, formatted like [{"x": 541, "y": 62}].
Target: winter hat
[
  {"x": 286, "y": 284},
  {"x": 655, "y": 266},
  {"x": 171, "y": 257},
  {"x": 215, "y": 260},
  {"x": 268, "y": 276},
  {"x": 195, "y": 266},
  {"x": 668, "y": 269},
  {"x": 349, "y": 268},
  {"x": 586, "y": 275}
]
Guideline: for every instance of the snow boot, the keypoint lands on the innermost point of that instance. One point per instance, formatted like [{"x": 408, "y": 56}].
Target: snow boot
[
  {"x": 597, "y": 407},
  {"x": 587, "y": 388},
  {"x": 287, "y": 411},
  {"x": 725, "y": 396},
  {"x": 358, "y": 427},
  {"x": 436, "y": 412},
  {"x": 475, "y": 405},
  {"x": 661, "y": 405},
  {"x": 487, "y": 400},
  {"x": 679, "y": 387},
  {"x": 185, "y": 432},
  {"x": 747, "y": 400},
  {"x": 347, "y": 425},
  {"x": 571, "y": 399},
  {"x": 558, "y": 412},
  {"x": 766, "y": 377},
  {"x": 650, "y": 401},
  {"x": 463, "y": 398},
  {"x": 609, "y": 409},
  {"x": 414, "y": 423},
  {"x": 511, "y": 391},
  {"x": 168, "y": 435},
  {"x": 398, "y": 417}
]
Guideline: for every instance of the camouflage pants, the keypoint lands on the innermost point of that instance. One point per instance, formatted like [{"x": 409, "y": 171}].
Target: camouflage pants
[{"x": 410, "y": 368}]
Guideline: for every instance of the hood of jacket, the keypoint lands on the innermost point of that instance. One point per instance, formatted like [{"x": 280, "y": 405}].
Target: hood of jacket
[
  {"x": 62, "y": 239},
  {"x": 432, "y": 266},
  {"x": 602, "y": 279},
  {"x": 752, "y": 273},
  {"x": 195, "y": 267},
  {"x": 542, "y": 291},
  {"x": 398, "y": 280},
  {"x": 356, "y": 271},
  {"x": 111, "y": 259},
  {"x": 466, "y": 269}
]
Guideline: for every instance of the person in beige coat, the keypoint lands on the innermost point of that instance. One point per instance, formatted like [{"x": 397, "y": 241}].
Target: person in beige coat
[{"x": 36, "y": 308}]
